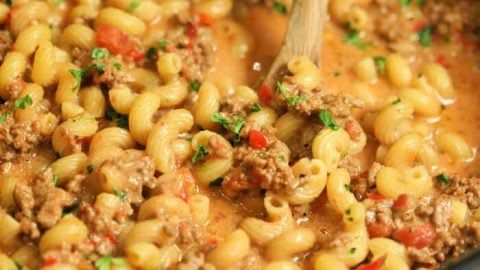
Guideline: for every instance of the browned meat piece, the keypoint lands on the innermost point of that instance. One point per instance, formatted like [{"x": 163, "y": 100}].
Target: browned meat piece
[
  {"x": 310, "y": 102},
  {"x": 51, "y": 210},
  {"x": 261, "y": 168},
  {"x": 466, "y": 189},
  {"x": 18, "y": 138},
  {"x": 193, "y": 41}
]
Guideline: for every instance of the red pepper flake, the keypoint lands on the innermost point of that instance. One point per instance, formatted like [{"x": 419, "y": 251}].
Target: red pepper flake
[
  {"x": 204, "y": 19},
  {"x": 265, "y": 93},
  {"x": 49, "y": 261},
  {"x": 257, "y": 139},
  {"x": 375, "y": 196},
  {"x": 375, "y": 265},
  {"x": 111, "y": 238},
  {"x": 442, "y": 60}
]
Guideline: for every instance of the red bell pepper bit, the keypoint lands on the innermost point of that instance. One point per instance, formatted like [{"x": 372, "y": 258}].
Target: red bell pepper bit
[{"x": 257, "y": 139}]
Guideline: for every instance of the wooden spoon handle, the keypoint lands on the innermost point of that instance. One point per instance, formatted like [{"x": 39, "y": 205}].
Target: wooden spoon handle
[{"x": 303, "y": 36}]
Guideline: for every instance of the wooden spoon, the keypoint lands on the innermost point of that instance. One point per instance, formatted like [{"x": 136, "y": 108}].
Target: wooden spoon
[{"x": 303, "y": 36}]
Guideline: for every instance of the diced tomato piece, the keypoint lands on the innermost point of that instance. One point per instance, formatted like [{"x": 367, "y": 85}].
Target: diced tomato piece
[
  {"x": 419, "y": 236},
  {"x": 257, "y": 139},
  {"x": 442, "y": 60},
  {"x": 118, "y": 42},
  {"x": 375, "y": 265},
  {"x": 265, "y": 93},
  {"x": 379, "y": 230},
  {"x": 49, "y": 261},
  {"x": 403, "y": 202},
  {"x": 204, "y": 19},
  {"x": 375, "y": 196},
  {"x": 420, "y": 25},
  {"x": 111, "y": 238}
]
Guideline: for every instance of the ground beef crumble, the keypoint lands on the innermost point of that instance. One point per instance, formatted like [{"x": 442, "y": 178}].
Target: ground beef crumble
[
  {"x": 192, "y": 39},
  {"x": 261, "y": 168}
]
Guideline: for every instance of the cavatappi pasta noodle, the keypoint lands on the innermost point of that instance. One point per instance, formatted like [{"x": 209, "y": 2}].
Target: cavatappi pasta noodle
[{"x": 134, "y": 135}]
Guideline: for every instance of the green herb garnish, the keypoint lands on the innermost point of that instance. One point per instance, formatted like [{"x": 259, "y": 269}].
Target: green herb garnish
[
  {"x": 256, "y": 107},
  {"x": 327, "y": 120},
  {"x": 292, "y": 100},
  {"x": 21, "y": 103},
  {"x": 425, "y": 36},
  {"x": 405, "y": 3},
  {"x": 134, "y": 5},
  {"x": 90, "y": 169},
  {"x": 98, "y": 53},
  {"x": 121, "y": 195},
  {"x": 280, "y": 7},
  {"x": 353, "y": 38},
  {"x": 195, "y": 86},
  {"x": 352, "y": 250},
  {"x": 3, "y": 117},
  {"x": 381, "y": 64},
  {"x": 398, "y": 100},
  {"x": 443, "y": 179},
  {"x": 106, "y": 262},
  {"x": 222, "y": 120},
  {"x": 237, "y": 127},
  {"x": 119, "y": 119},
  {"x": 200, "y": 154}
]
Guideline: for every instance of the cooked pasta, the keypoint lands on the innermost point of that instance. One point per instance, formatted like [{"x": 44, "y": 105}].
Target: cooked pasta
[{"x": 141, "y": 134}]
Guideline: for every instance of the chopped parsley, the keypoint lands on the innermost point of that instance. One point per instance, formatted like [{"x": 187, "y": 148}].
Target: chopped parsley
[
  {"x": 78, "y": 75},
  {"x": 90, "y": 169},
  {"x": 151, "y": 52},
  {"x": 398, "y": 100},
  {"x": 352, "y": 250},
  {"x": 281, "y": 158},
  {"x": 222, "y": 120},
  {"x": 134, "y": 5},
  {"x": 70, "y": 210},
  {"x": 121, "y": 195},
  {"x": 3, "y": 117},
  {"x": 195, "y": 86},
  {"x": 100, "y": 68},
  {"x": 98, "y": 53},
  {"x": 163, "y": 43},
  {"x": 425, "y": 36},
  {"x": 327, "y": 120},
  {"x": 105, "y": 262},
  {"x": 348, "y": 187},
  {"x": 216, "y": 183},
  {"x": 353, "y": 38},
  {"x": 280, "y": 7},
  {"x": 200, "y": 154},
  {"x": 381, "y": 64},
  {"x": 256, "y": 107},
  {"x": 21, "y": 103},
  {"x": 405, "y": 3},
  {"x": 55, "y": 179},
  {"x": 443, "y": 179},
  {"x": 119, "y": 119},
  {"x": 117, "y": 66},
  {"x": 421, "y": 2},
  {"x": 292, "y": 100},
  {"x": 237, "y": 127}
]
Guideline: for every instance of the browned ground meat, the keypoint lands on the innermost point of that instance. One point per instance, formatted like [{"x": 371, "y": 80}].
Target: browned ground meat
[
  {"x": 261, "y": 168},
  {"x": 314, "y": 100},
  {"x": 466, "y": 189},
  {"x": 384, "y": 217},
  {"x": 18, "y": 138},
  {"x": 41, "y": 204},
  {"x": 194, "y": 42}
]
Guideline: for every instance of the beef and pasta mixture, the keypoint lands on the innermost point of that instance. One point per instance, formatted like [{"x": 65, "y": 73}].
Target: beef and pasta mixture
[{"x": 137, "y": 134}]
